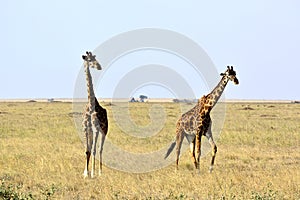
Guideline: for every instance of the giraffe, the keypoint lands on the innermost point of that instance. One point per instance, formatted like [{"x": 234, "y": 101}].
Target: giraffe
[
  {"x": 196, "y": 122},
  {"x": 94, "y": 118}
]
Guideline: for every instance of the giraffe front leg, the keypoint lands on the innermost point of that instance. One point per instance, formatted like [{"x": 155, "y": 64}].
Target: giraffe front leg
[
  {"x": 86, "y": 170},
  {"x": 87, "y": 131},
  {"x": 214, "y": 152},
  {"x": 93, "y": 166},
  {"x": 213, "y": 147},
  {"x": 192, "y": 153}
]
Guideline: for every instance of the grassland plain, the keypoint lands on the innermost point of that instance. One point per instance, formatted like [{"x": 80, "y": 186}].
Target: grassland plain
[{"x": 42, "y": 157}]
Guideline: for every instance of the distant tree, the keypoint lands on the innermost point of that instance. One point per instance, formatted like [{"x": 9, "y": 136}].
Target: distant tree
[{"x": 143, "y": 97}]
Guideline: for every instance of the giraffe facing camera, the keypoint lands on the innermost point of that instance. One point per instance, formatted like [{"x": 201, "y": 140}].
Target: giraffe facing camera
[
  {"x": 91, "y": 59},
  {"x": 94, "y": 118}
]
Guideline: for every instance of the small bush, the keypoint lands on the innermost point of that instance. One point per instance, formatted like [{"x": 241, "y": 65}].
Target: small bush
[
  {"x": 11, "y": 192},
  {"x": 268, "y": 194}
]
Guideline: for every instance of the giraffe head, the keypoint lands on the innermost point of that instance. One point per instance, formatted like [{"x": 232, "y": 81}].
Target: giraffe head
[
  {"x": 231, "y": 75},
  {"x": 90, "y": 61}
]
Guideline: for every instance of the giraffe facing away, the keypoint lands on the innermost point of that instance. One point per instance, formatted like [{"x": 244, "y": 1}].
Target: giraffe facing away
[
  {"x": 196, "y": 122},
  {"x": 94, "y": 118}
]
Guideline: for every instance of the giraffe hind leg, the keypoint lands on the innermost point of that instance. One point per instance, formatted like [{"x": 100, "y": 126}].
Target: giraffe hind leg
[
  {"x": 179, "y": 139},
  {"x": 191, "y": 139},
  {"x": 100, "y": 153},
  {"x": 98, "y": 129},
  {"x": 94, "y": 154}
]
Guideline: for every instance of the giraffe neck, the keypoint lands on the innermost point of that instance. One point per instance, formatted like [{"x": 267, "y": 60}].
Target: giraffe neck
[
  {"x": 214, "y": 96},
  {"x": 90, "y": 89}
]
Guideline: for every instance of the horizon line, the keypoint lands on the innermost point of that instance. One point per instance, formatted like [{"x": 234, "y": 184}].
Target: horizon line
[{"x": 146, "y": 100}]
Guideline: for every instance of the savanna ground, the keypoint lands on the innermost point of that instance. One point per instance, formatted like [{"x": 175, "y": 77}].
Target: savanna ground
[{"x": 42, "y": 156}]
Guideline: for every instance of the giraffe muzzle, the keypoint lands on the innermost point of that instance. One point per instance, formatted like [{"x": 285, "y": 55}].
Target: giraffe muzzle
[{"x": 236, "y": 81}]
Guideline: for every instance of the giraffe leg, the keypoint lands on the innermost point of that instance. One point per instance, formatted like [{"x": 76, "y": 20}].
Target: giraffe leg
[
  {"x": 214, "y": 152},
  {"x": 100, "y": 153},
  {"x": 192, "y": 153},
  {"x": 198, "y": 152},
  {"x": 87, "y": 131},
  {"x": 179, "y": 139},
  {"x": 191, "y": 140},
  {"x": 95, "y": 139},
  {"x": 98, "y": 129},
  {"x": 213, "y": 147},
  {"x": 86, "y": 170}
]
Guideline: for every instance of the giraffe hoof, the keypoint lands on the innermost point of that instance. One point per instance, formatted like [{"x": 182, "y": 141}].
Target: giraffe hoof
[
  {"x": 211, "y": 169},
  {"x": 93, "y": 175},
  {"x": 86, "y": 174}
]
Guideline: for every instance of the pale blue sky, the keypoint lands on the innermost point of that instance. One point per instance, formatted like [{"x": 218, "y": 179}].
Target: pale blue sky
[{"x": 42, "y": 41}]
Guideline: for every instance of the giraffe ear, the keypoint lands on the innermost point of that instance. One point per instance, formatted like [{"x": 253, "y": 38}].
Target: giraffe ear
[
  {"x": 222, "y": 74},
  {"x": 83, "y": 57}
]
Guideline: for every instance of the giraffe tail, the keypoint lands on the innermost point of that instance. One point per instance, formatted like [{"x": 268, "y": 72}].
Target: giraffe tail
[{"x": 170, "y": 149}]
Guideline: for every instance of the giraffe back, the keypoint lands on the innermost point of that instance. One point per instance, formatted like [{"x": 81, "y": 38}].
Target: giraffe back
[{"x": 196, "y": 120}]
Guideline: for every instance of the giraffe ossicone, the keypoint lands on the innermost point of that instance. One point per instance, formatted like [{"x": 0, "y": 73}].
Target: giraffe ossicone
[{"x": 196, "y": 122}]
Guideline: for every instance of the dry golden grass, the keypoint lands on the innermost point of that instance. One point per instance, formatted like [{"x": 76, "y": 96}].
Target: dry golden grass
[{"x": 258, "y": 156}]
